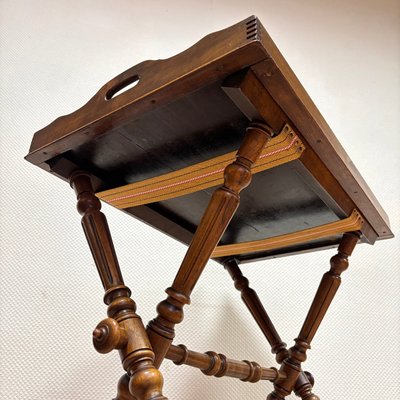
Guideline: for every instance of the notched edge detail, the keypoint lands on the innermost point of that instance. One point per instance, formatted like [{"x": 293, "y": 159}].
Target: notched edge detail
[{"x": 253, "y": 31}]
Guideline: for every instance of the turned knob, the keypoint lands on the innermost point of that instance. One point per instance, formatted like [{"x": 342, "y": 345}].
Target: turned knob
[
  {"x": 310, "y": 377},
  {"x": 108, "y": 336}
]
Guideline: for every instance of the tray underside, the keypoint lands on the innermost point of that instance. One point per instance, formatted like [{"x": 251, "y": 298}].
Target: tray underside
[
  {"x": 196, "y": 106},
  {"x": 200, "y": 126}
]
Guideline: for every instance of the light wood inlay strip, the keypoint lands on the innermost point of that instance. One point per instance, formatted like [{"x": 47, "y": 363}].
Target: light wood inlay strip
[
  {"x": 283, "y": 148},
  {"x": 353, "y": 222}
]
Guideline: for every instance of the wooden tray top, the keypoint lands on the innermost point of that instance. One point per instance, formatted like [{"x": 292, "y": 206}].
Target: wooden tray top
[{"x": 187, "y": 113}]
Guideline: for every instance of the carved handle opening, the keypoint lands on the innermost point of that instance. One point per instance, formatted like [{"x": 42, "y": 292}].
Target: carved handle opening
[{"x": 122, "y": 87}]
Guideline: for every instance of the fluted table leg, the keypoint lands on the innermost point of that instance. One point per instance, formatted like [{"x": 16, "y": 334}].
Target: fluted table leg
[
  {"x": 250, "y": 298},
  {"x": 326, "y": 292},
  {"x": 221, "y": 208},
  {"x": 123, "y": 330}
]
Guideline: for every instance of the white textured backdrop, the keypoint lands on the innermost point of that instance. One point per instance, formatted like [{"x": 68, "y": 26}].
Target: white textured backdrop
[{"x": 54, "y": 57}]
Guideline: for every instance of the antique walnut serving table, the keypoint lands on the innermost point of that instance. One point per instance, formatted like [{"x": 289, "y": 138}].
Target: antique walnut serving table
[{"x": 173, "y": 143}]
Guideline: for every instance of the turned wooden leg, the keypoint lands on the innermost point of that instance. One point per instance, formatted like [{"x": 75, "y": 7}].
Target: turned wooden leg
[
  {"x": 326, "y": 292},
  {"x": 218, "y": 365},
  {"x": 123, "y": 330},
  {"x": 216, "y": 218},
  {"x": 257, "y": 310},
  {"x": 304, "y": 385},
  {"x": 305, "y": 381},
  {"x": 123, "y": 389}
]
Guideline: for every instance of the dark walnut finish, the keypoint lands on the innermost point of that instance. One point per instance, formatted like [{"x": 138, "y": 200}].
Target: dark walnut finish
[
  {"x": 305, "y": 380},
  {"x": 217, "y": 216},
  {"x": 218, "y": 365},
  {"x": 231, "y": 92},
  {"x": 123, "y": 330},
  {"x": 185, "y": 102},
  {"x": 123, "y": 392},
  {"x": 323, "y": 298}
]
